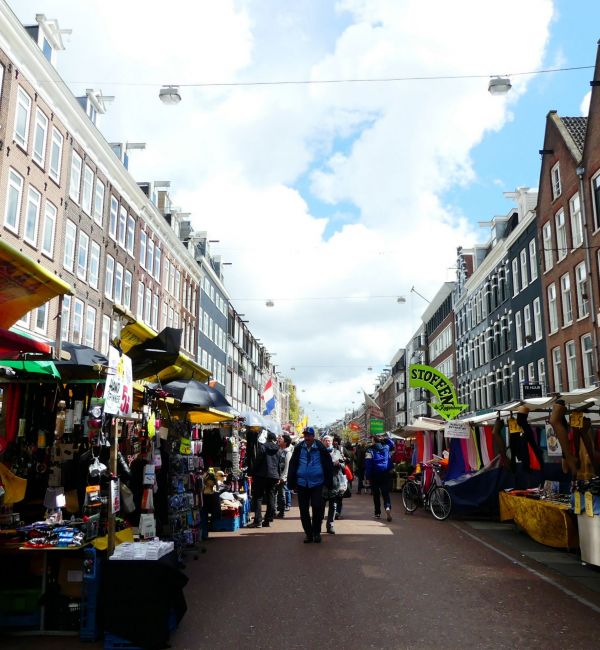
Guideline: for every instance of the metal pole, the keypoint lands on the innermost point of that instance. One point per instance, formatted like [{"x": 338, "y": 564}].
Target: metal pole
[{"x": 114, "y": 449}]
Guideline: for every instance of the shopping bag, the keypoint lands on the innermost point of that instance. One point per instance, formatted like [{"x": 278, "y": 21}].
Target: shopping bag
[{"x": 348, "y": 472}]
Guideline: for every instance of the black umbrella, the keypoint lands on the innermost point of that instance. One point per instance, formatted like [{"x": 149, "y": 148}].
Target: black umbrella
[
  {"x": 82, "y": 362},
  {"x": 193, "y": 393},
  {"x": 155, "y": 354}
]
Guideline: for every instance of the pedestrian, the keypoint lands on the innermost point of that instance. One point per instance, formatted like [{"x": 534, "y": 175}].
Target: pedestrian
[
  {"x": 333, "y": 497},
  {"x": 378, "y": 466},
  {"x": 310, "y": 469},
  {"x": 359, "y": 463},
  {"x": 346, "y": 462},
  {"x": 266, "y": 473},
  {"x": 284, "y": 494}
]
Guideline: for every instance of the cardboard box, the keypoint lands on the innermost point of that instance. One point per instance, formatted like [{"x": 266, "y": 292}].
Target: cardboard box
[{"x": 70, "y": 576}]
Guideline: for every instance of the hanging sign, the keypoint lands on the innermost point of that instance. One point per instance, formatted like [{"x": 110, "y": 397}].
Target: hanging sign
[
  {"x": 435, "y": 382},
  {"x": 118, "y": 390},
  {"x": 552, "y": 442},
  {"x": 457, "y": 429},
  {"x": 376, "y": 426}
]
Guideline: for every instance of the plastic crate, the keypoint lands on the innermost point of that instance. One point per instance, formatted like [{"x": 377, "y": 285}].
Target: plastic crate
[{"x": 226, "y": 525}]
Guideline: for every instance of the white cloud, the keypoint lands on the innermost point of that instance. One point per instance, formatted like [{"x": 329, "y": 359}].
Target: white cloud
[
  {"x": 389, "y": 150},
  {"x": 584, "y": 107}
]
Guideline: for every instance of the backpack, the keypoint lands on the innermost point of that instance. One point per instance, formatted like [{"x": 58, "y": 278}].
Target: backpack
[{"x": 381, "y": 459}]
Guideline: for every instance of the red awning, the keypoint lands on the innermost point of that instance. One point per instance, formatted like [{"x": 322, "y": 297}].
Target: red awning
[{"x": 13, "y": 344}]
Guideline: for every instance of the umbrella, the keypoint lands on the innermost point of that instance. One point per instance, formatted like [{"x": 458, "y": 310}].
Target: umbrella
[
  {"x": 153, "y": 355},
  {"x": 189, "y": 392},
  {"x": 83, "y": 362},
  {"x": 219, "y": 401},
  {"x": 252, "y": 419}
]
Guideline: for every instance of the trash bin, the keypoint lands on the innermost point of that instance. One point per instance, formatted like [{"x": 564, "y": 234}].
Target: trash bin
[{"x": 589, "y": 538}]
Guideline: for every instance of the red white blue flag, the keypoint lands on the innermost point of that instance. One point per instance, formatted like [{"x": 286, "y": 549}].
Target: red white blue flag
[{"x": 269, "y": 397}]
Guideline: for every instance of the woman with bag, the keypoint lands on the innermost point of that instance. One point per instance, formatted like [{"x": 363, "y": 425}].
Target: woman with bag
[{"x": 334, "y": 495}]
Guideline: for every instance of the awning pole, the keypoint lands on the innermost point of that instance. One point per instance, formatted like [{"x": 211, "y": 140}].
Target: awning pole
[{"x": 114, "y": 452}]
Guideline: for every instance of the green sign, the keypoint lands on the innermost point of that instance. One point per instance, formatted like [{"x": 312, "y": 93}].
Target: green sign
[
  {"x": 435, "y": 382},
  {"x": 376, "y": 426}
]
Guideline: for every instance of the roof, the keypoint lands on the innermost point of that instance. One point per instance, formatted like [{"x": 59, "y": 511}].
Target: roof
[{"x": 577, "y": 127}]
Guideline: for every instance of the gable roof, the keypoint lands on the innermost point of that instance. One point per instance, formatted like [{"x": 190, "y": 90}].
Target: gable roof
[{"x": 576, "y": 127}]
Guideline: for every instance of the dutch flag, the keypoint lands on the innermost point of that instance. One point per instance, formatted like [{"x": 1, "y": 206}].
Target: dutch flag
[{"x": 269, "y": 397}]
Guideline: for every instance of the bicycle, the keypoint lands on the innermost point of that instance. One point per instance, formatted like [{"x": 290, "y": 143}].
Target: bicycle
[{"x": 436, "y": 498}]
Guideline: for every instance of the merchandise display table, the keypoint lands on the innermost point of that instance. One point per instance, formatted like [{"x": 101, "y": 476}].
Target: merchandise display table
[{"x": 551, "y": 524}]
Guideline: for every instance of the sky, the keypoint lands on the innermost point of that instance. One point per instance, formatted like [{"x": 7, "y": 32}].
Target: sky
[{"x": 332, "y": 199}]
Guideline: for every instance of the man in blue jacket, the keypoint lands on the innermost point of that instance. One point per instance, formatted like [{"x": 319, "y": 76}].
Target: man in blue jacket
[
  {"x": 310, "y": 469},
  {"x": 378, "y": 465}
]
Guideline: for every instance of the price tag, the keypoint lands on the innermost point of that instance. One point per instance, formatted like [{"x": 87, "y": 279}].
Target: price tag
[
  {"x": 589, "y": 504},
  {"x": 577, "y": 504},
  {"x": 513, "y": 426},
  {"x": 576, "y": 420},
  {"x": 185, "y": 447}
]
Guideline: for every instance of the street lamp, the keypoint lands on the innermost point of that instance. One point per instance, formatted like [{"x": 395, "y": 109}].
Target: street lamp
[
  {"x": 499, "y": 85},
  {"x": 169, "y": 95}
]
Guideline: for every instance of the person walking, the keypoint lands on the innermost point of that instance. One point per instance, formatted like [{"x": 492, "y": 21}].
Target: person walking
[
  {"x": 333, "y": 496},
  {"x": 378, "y": 465},
  {"x": 345, "y": 462},
  {"x": 266, "y": 474},
  {"x": 310, "y": 469},
  {"x": 285, "y": 451},
  {"x": 359, "y": 463}
]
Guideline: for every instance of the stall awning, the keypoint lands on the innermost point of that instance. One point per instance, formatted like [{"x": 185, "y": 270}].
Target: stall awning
[
  {"x": 210, "y": 416},
  {"x": 14, "y": 345},
  {"x": 183, "y": 367},
  {"x": 24, "y": 285}
]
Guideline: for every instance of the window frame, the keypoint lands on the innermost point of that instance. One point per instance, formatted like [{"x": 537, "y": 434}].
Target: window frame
[
  {"x": 99, "y": 199},
  {"x": 555, "y": 180},
  {"x": 533, "y": 270},
  {"x": 566, "y": 299},
  {"x": 557, "y": 369},
  {"x": 23, "y": 102},
  {"x": 75, "y": 186},
  {"x": 587, "y": 360},
  {"x": 71, "y": 266},
  {"x": 576, "y": 219},
  {"x": 109, "y": 276},
  {"x": 562, "y": 240},
  {"x": 27, "y": 237},
  {"x": 571, "y": 364},
  {"x": 37, "y": 157},
  {"x": 553, "y": 320},
  {"x": 113, "y": 221},
  {"x": 56, "y": 144},
  {"x": 17, "y": 183},
  {"x": 82, "y": 267},
  {"x": 94, "y": 269},
  {"x": 49, "y": 205}
]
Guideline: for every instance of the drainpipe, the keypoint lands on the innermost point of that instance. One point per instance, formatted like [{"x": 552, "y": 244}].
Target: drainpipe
[
  {"x": 58, "y": 335},
  {"x": 588, "y": 263}
]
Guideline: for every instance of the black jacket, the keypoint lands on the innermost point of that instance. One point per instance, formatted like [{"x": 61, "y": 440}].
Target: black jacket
[
  {"x": 268, "y": 463},
  {"x": 326, "y": 463}
]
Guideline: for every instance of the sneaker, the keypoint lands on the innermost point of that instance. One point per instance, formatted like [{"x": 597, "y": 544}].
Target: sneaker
[
  {"x": 308, "y": 540},
  {"x": 330, "y": 530},
  {"x": 280, "y": 515},
  {"x": 287, "y": 508},
  {"x": 377, "y": 515},
  {"x": 317, "y": 539},
  {"x": 265, "y": 524},
  {"x": 388, "y": 514}
]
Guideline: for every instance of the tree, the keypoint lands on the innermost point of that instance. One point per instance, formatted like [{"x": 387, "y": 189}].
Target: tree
[{"x": 294, "y": 404}]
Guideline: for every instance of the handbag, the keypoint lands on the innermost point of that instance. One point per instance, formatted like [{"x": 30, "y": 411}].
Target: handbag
[{"x": 348, "y": 472}]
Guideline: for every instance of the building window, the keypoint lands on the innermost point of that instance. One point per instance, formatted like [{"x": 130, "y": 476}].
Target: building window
[
  {"x": 48, "y": 229},
  {"x": 148, "y": 306},
  {"x": 571, "y": 365},
  {"x": 548, "y": 250},
  {"x": 32, "y": 216},
  {"x": 524, "y": 274},
  {"x": 82, "y": 255},
  {"x": 122, "y": 226},
  {"x": 56, "y": 148},
  {"x": 567, "y": 304},
  {"x": 90, "y": 326},
  {"x": 65, "y": 318},
  {"x": 557, "y": 370},
  {"x": 561, "y": 235},
  {"x": 143, "y": 245},
  {"x": 22, "y": 115},
  {"x": 582, "y": 297},
  {"x": 88, "y": 189},
  {"x": 99, "y": 202},
  {"x": 155, "y": 301},
  {"x": 77, "y": 321},
  {"x": 177, "y": 293},
  {"x": 576, "y": 221},
  {"x": 555, "y": 177},
  {"x": 40, "y": 321},
  {"x": 75, "y": 180},
  {"x": 515, "y": 274},
  {"x": 94, "y": 271},
  {"x": 13, "y": 201},
  {"x": 521, "y": 379},
  {"x": 105, "y": 336},
  {"x": 69, "y": 251},
  {"x": 541, "y": 368},
  {"x": 114, "y": 216},
  {"x": 130, "y": 234},
  {"x": 127, "y": 290},
  {"x": 552, "y": 309},
  {"x": 118, "y": 286},
  {"x": 527, "y": 324},
  {"x": 109, "y": 277},
  {"x": 150, "y": 256},
  {"x": 533, "y": 260},
  {"x": 587, "y": 360},
  {"x": 157, "y": 263},
  {"x": 40, "y": 138},
  {"x": 537, "y": 319},
  {"x": 139, "y": 307},
  {"x": 596, "y": 194},
  {"x": 518, "y": 330}
]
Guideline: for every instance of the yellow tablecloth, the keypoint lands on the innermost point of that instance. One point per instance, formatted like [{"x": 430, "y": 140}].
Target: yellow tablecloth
[{"x": 551, "y": 524}]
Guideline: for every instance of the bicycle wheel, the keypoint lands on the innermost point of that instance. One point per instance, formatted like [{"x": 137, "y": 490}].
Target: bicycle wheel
[
  {"x": 410, "y": 496},
  {"x": 440, "y": 503}
]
